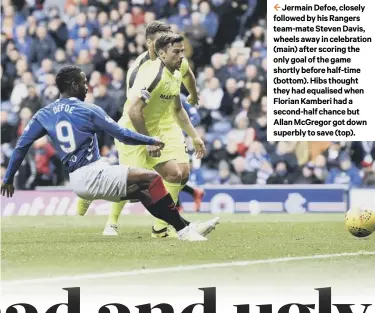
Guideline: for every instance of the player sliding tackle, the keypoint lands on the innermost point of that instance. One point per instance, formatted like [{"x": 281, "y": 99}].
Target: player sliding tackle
[{"x": 72, "y": 125}]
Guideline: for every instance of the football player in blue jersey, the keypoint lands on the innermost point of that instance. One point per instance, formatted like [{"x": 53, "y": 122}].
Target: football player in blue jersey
[{"x": 72, "y": 125}]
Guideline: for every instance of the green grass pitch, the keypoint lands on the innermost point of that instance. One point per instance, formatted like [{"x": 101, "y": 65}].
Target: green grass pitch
[{"x": 41, "y": 247}]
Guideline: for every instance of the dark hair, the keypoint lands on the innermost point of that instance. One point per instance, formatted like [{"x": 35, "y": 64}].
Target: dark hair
[
  {"x": 163, "y": 41},
  {"x": 66, "y": 76},
  {"x": 156, "y": 27}
]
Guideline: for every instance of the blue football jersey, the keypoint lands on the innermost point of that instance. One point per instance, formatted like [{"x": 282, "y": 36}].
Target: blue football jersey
[{"x": 72, "y": 125}]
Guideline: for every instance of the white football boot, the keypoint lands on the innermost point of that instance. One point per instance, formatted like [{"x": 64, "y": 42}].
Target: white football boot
[
  {"x": 205, "y": 228},
  {"x": 110, "y": 230},
  {"x": 190, "y": 234}
]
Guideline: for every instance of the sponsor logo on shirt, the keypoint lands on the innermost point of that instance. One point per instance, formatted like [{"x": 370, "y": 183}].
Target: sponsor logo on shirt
[{"x": 167, "y": 97}]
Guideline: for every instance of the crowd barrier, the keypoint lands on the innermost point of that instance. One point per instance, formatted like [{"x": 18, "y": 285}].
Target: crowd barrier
[{"x": 251, "y": 199}]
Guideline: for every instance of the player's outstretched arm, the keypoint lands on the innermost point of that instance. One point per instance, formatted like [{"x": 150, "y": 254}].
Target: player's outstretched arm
[
  {"x": 183, "y": 120},
  {"x": 33, "y": 131},
  {"x": 103, "y": 122},
  {"x": 190, "y": 83}
]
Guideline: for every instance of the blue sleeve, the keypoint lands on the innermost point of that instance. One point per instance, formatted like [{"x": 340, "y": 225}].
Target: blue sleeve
[
  {"x": 103, "y": 122},
  {"x": 194, "y": 116},
  {"x": 33, "y": 131}
]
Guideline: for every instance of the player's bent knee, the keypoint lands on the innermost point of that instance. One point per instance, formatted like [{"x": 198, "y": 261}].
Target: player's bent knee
[
  {"x": 140, "y": 176},
  {"x": 147, "y": 178},
  {"x": 151, "y": 176},
  {"x": 174, "y": 176}
]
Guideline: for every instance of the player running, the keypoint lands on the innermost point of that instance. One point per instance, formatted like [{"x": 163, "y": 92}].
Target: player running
[
  {"x": 175, "y": 169},
  {"x": 72, "y": 125},
  {"x": 154, "y": 108}
]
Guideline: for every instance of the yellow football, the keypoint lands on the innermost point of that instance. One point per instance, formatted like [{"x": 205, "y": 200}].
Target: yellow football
[{"x": 360, "y": 222}]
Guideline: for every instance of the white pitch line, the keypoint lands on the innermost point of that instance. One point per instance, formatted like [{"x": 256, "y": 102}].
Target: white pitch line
[{"x": 182, "y": 268}]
